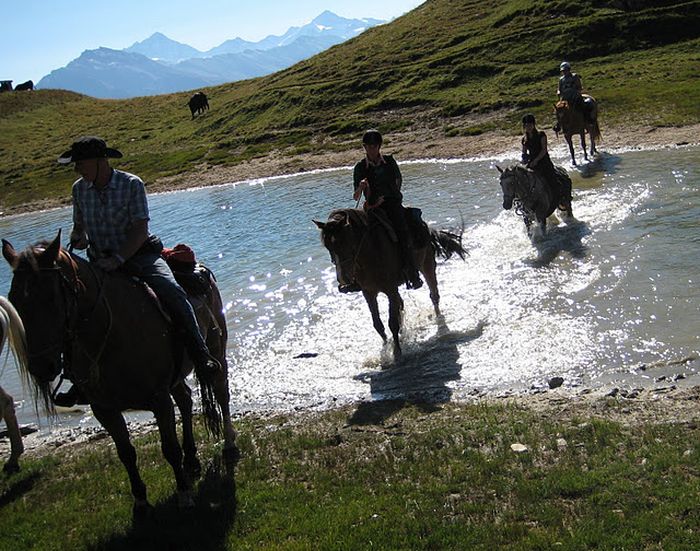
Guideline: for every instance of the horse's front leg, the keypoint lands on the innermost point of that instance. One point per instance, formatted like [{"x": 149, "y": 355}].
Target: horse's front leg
[
  {"x": 395, "y": 309},
  {"x": 583, "y": 145},
  {"x": 114, "y": 424},
  {"x": 7, "y": 412},
  {"x": 371, "y": 299}
]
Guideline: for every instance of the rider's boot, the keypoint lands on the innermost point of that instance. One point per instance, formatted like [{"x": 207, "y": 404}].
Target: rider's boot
[
  {"x": 70, "y": 398},
  {"x": 349, "y": 287}
]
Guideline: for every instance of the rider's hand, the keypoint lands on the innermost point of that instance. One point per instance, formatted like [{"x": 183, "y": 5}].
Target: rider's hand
[
  {"x": 109, "y": 264},
  {"x": 360, "y": 188}
]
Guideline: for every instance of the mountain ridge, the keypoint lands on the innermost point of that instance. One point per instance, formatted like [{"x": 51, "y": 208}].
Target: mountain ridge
[{"x": 115, "y": 74}]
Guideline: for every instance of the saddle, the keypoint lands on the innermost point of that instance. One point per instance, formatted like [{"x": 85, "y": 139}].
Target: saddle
[{"x": 195, "y": 278}]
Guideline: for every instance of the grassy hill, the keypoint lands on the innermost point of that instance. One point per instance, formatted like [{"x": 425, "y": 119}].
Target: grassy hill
[{"x": 464, "y": 66}]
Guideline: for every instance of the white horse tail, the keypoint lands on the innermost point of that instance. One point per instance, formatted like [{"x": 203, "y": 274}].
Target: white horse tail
[{"x": 14, "y": 335}]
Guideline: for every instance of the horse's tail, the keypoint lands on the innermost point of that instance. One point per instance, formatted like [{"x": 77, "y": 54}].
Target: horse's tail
[
  {"x": 595, "y": 131},
  {"x": 13, "y": 334},
  {"x": 213, "y": 417},
  {"x": 446, "y": 243}
]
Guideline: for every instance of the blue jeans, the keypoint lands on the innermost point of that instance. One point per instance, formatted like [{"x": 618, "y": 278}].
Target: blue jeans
[{"x": 151, "y": 268}]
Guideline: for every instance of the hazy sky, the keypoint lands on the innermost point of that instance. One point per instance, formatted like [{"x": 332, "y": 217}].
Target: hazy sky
[{"x": 39, "y": 36}]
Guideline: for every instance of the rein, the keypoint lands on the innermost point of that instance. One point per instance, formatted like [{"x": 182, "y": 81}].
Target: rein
[
  {"x": 357, "y": 252},
  {"x": 72, "y": 325}
]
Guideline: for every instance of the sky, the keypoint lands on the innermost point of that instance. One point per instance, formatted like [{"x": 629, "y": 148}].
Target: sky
[{"x": 40, "y": 36}]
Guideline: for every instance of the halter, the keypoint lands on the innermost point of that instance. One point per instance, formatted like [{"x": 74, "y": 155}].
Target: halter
[
  {"x": 71, "y": 288},
  {"x": 353, "y": 260}
]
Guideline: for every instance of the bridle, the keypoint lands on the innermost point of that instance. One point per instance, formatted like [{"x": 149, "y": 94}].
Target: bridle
[
  {"x": 352, "y": 260},
  {"x": 71, "y": 287}
]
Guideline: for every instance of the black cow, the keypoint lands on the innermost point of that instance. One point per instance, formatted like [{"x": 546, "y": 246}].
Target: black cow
[
  {"x": 29, "y": 85},
  {"x": 198, "y": 103}
]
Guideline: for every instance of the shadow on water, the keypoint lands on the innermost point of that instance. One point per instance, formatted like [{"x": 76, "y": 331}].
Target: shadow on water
[
  {"x": 602, "y": 164},
  {"x": 561, "y": 239},
  {"x": 420, "y": 378},
  {"x": 203, "y": 527}
]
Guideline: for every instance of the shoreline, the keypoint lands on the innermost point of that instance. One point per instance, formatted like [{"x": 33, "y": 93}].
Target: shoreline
[
  {"x": 406, "y": 146},
  {"x": 630, "y": 407}
]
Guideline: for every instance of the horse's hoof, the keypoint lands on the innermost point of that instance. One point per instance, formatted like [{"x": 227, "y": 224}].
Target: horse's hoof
[
  {"x": 185, "y": 499},
  {"x": 10, "y": 468},
  {"x": 142, "y": 513}
]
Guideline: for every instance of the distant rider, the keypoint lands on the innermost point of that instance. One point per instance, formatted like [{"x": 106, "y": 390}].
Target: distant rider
[
  {"x": 378, "y": 177},
  {"x": 570, "y": 89}
]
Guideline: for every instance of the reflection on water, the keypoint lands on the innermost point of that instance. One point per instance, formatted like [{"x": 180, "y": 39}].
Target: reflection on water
[{"x": 592, "y": 301}]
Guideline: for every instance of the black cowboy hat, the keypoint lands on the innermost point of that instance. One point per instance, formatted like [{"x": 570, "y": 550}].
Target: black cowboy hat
[{"x": 88, "y": 147}]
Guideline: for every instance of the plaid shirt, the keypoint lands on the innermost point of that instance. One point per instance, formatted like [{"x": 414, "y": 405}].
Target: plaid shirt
[{"x": 108, "y": 215}]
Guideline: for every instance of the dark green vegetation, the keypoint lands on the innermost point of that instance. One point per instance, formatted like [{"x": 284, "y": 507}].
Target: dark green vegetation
[
  {"x": 459, "y": 67},
  {"x": 387, "y": 475}
]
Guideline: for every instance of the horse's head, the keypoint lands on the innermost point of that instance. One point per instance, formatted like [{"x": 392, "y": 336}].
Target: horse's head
[
  {"x": 40, "y": 293},
  {"x": 339, "y": 234},
  {"x": 508, "y": 180}
]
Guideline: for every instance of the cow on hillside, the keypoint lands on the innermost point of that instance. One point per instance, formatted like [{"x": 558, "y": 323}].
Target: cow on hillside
[
  {"x": 198, "y": 103},
  {"x": 29, "y": 85}
]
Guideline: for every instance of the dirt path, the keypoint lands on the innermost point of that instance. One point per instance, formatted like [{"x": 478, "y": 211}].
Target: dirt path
[{"x": 413, "y": 146}]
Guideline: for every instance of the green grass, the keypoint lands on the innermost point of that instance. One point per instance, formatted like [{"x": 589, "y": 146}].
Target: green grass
[
  {"x": 415, "y": 477},
  {"x": 457, "y": 62}
]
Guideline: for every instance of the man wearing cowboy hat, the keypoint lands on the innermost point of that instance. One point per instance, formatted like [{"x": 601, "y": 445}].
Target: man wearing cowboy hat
[{"x": 110, "y": 219}]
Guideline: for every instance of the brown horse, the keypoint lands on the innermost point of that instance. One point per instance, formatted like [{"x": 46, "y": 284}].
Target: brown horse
[
  {"x": 12, "y": 333},
  {"x": 571, "y": 121},
  {"x": 123, "y": 354},
  {"x": 532, "y": 197},
  {"x": 364, "y": 252}
]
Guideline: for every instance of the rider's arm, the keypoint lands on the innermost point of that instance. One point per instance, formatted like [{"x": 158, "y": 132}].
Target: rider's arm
[
  {"x": 525, "y": 157},
  {"x": 543, "y": 151},
  {"x": 78, "y": 235},
  {"x": 135, "y": 237},
  {"x": 578, "y": 83},
  {"x": 359, "y": 181}
]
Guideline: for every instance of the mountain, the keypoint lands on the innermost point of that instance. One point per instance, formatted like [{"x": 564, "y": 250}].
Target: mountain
[
  {"x": 253, "y": 63},
  {"x": 159, "y": 65},
  {"x": 161, "y": 48},
  {"x": 106, "y": 73}
]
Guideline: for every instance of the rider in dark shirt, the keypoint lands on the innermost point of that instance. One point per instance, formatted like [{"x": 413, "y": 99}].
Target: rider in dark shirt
[
  {"x": 379, "y": 178},
  {"x": 535, "y": 154}
]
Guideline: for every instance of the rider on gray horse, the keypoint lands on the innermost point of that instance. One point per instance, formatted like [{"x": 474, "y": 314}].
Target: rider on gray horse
[{"x": 536, "y": 157}]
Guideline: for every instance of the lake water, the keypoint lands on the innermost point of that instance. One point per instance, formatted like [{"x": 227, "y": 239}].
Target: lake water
[{"x": 609, "y": 300}]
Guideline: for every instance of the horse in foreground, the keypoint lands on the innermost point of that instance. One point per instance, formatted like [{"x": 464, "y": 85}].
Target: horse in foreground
[
  {"x": 12, "y": 333},
  {"x": 122, "y": 353},
  {"x": 534, "y": 200},
  {"x": 363, "y": 251},
  {"x": 572, "y": 121}
]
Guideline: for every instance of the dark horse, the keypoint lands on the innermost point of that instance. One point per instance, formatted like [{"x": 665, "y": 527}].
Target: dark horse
[
  {"x": 123, "y": 354},
  {"x": 572, "y": 121},
  {"x": 364, "y": 252},
  {"x": 533, "y": 198}
]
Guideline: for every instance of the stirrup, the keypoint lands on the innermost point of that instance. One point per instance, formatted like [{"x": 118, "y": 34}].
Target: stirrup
[{"x": 349, "y": 288}]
